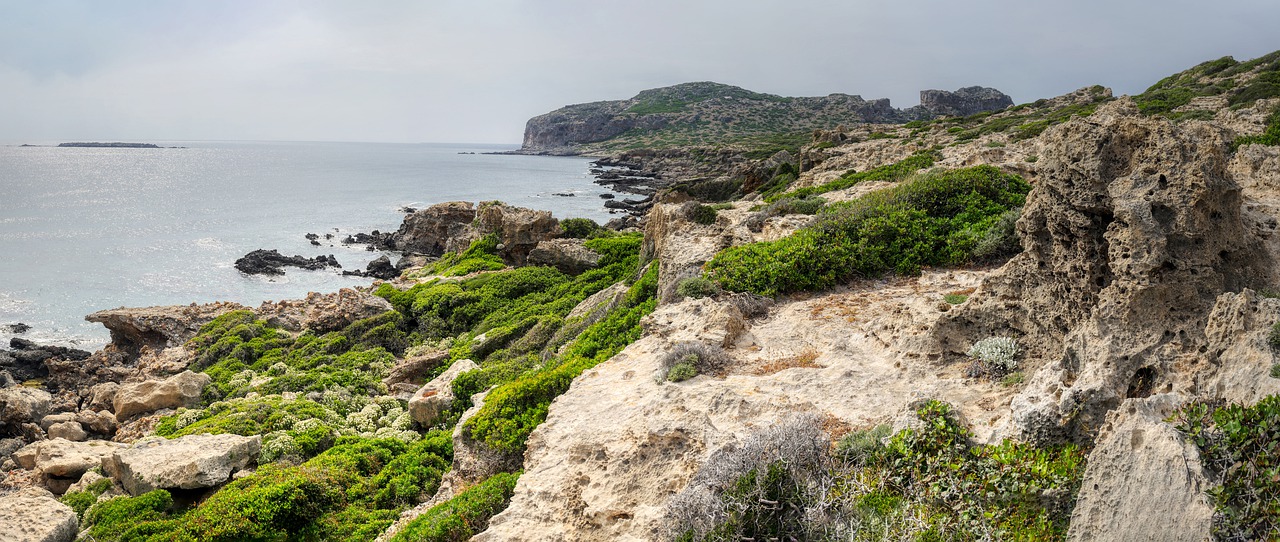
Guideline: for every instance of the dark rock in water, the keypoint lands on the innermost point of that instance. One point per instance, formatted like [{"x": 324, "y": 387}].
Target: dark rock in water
[
  {"x": 619, "y": 224},
  {"x": 606, "y": 195},
  {"x": 380, "y": 268},
  {"x": 312, "y": 237},
  {"x": 271, "y": 262},
  {"x": 18, "y": 328},
  {"x": 315, "y": 243},
  {"x": 111, "y": 145},
  {"x": 375, "y": 240},
  {"x": 564, "y": 194},
  {"x": 413, "y": 260},
  {"x": 407, "y": 210},
  {"x": 27, "y": 359},
  {"x": 328, "y": 236}
]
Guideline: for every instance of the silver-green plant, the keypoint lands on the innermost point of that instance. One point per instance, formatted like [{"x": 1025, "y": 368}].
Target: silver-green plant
[{"x": 996, "y": 354}]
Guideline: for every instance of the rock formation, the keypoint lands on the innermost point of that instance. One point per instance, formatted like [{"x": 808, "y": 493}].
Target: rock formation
[{"x": 271, "y": 262}]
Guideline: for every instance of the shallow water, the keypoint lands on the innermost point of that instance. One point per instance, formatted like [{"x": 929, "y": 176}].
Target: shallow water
[{"x": 84, "y": 229}]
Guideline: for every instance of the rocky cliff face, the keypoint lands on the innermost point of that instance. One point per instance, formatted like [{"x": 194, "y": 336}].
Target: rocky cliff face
[{"x": 691, "y": 113}]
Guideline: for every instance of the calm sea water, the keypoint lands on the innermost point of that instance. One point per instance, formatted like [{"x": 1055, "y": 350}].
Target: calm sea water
[{"x": 87, "y": 229}]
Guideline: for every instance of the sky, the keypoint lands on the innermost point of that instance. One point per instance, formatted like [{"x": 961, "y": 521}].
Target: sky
[{"x": 475, "y": 70}]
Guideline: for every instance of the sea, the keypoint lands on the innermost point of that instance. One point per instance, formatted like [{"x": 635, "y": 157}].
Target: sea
[{"x": 86, "y": 229}]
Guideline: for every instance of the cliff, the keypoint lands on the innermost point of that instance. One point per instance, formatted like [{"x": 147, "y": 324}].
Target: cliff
[{"x": 705, "y": 113}]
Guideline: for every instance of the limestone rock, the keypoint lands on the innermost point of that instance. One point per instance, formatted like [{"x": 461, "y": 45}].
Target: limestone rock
[
  {"x": 436, "y": 396},
  {"x": 680, "y": 245},
  {"x": 48, "y": 421},
  {"x": 1130, "y": 234},
  {"x": 102, "y": 396},
  {"x": 570, "y": 256},
  {"x": 64, "y": 458},
  {"x": 428, "y": 231},
  {"x": 179, "y": 390},
  {"x": 323, "y": 313},
  {"x": 190, "y": 462},
  {"x": 414, "y": 369},
  {"x": 519, "y": 230},
  {"x": 158, "y": 327},
  {"x": 1143, "y": 480},
  {"x": 33, "y": 515},
  {"x": 20, "y": 405},
  {"x": 70, "y": 430},
  {"x": 964, "y": 102},
  {"x": 101, "y": 422}
]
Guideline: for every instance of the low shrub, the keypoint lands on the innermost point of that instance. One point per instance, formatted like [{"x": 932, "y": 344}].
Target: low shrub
[
  {"x": 702, "y": 214},
  {"x": 1237, "y": 444},
  {"x": 697, "y": 287},
  {"x": 935, "y": 219},
  {"x": 1271, "y": 136},
  {"x": 994, "y": 357},
  {"x": 463, "y": 516},
  {"x": 892, "y": 172},
  {"x": 699, "y": 356},
  {"x": 682, "y": 371},
  {"x": 579, "y": 228},
  {"x": 955, "y": 299},
  {"x": 481, "y": 255}
]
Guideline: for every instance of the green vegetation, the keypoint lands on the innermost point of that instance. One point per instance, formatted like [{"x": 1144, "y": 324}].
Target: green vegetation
[
  {"x": 352, "y": 491},
  {"x": 703, "y": 214},
  {"x": 1271, "y": 136},
  {"x": 682, "y": 371},
  {"x": 512, "y": 410},
  {"x": 955, "y": 299},
  {"x": 80, "y": 501},
  {"x": 463, "y": 516},
  {"x": 892, "y": 172},
  {"x": 928, "y": 483},
  {"x": 932, "y": 220},
  {"x": 1238, "y": 445},
  {"x": 583, "y": 228},
  {"x": 481, "y": 255},
  {"x": 697, "y": 287},
  {"x": 1214, "y": 78}
]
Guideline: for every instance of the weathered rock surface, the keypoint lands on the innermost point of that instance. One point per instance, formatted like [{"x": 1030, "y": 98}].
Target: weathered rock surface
[
  {"x": 963, "y": 102},
  {"x": 20, "y": 405},
  {"x": 64, "y": 458},
  {"x": 27, "y": 360},
  {"x": 190, "y": 462},
  {"x": 1132, "y": 231},
  {"x": 593, "y": 477},
  {"x": 414, "y": 369},
  {"x": 158, "y": 327},
  {"x": 69, "y": 430},
  {"x": 436, "y": 396},
  {"x": 322, "y": 313},
  {"x": 33, "y": 515},
  {"x": 452, "y": 226},
  {"x": 179, "y": 390},
  {"x": 1143, "y": 480},
  {"x": 570, "y": 256},
  {"x": 680, "y": 245},
  {"x": 272, "y": 262}
]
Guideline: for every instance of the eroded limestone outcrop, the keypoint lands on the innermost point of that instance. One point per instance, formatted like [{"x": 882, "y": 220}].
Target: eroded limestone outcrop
[{"x": 190, "y": 462}]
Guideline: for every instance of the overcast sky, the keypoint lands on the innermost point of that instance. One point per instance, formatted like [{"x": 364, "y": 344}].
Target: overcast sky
[{"x": 476, "y": 70}]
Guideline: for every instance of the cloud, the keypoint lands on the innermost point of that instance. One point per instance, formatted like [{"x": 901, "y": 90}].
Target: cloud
[{"x": 450, "y": 70}]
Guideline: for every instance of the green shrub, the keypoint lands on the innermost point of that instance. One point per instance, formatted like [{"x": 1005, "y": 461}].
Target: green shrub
[
  {"x": 955, "y": 299},
  {"x": 113, "y": 519},
  {"x": 994, "y": 356},
  {"x": 1271, "y": 136},
  {"x": 697, "y": 287},
  {"x": 682, "y": 371},
  {"x": 463, "y": 516},
  {"x": 1274, "y": 337},
  {"x": 481, "y": 255},
  {"x": 936, "y": 219},
  {"x": 863, "y": 447},
  {"x": 703, "y": 214},
  {"x": 892, "y": 172},
  {"x": 1237, "y": 444},
  {"x": 80, "y": 501},
  {"x": 579, "y": 228}
]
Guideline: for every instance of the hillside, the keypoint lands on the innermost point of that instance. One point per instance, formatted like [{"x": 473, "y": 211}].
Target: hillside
[
  {"x": 1056, "y": 321},
  {"x": 707, "y": 113}
]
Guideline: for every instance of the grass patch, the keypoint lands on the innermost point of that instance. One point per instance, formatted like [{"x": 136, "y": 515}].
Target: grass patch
[
  {"x": 955, "y": 299},
  {"x": 934, "y": 220}
]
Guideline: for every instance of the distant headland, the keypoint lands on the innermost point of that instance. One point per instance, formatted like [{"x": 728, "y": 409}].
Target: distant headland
[{"x": 114, "y": 145}]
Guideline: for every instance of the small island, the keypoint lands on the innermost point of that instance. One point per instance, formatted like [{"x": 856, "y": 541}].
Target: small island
[{"x": 113, "y": 145}]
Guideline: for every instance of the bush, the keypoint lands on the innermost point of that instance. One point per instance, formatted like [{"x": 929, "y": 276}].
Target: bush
[
  {"x": 1271, "y": 136},
  {"x": 682, "y": 371},
  {"x": 697, "y": 287},
  {"x": 936, "y": 219},
  {"x": 463, "y": 516},
  {"x": 701, "y": 357},
  {"x": 994, "y": 356},
  {"x": 892, "y": 172},
  {"x": 863, "y": 447},
  {"x": 1237, "y": 444},
  {"x": 579, "y": 228},
  {"x": 955, "y": 299},
  {"x": 703, "y": 214}
]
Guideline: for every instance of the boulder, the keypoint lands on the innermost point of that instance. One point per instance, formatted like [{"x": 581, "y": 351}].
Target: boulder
[
  {"x": 179, "y": 390},
  {"x": 570, "y": 256},
  {"x": 1143, "y": 480},
  {"x": 48, "y": 421},
  {"x": 436, "y": 396},
  {"x": 101, "y": 422},
  {"x": 322, "y": 313},
  {"x": 428, "y": 231},
  {"x": 70, "y": 430},
  {"x": 33, "y": 515},
  {"x": 63, "y": 458},
  {"x": 414, "y": 369},
  {"x": 20, "y": 405},
  {"x": 190, "y": 462},
  {"x": 103, "y": 396}
]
